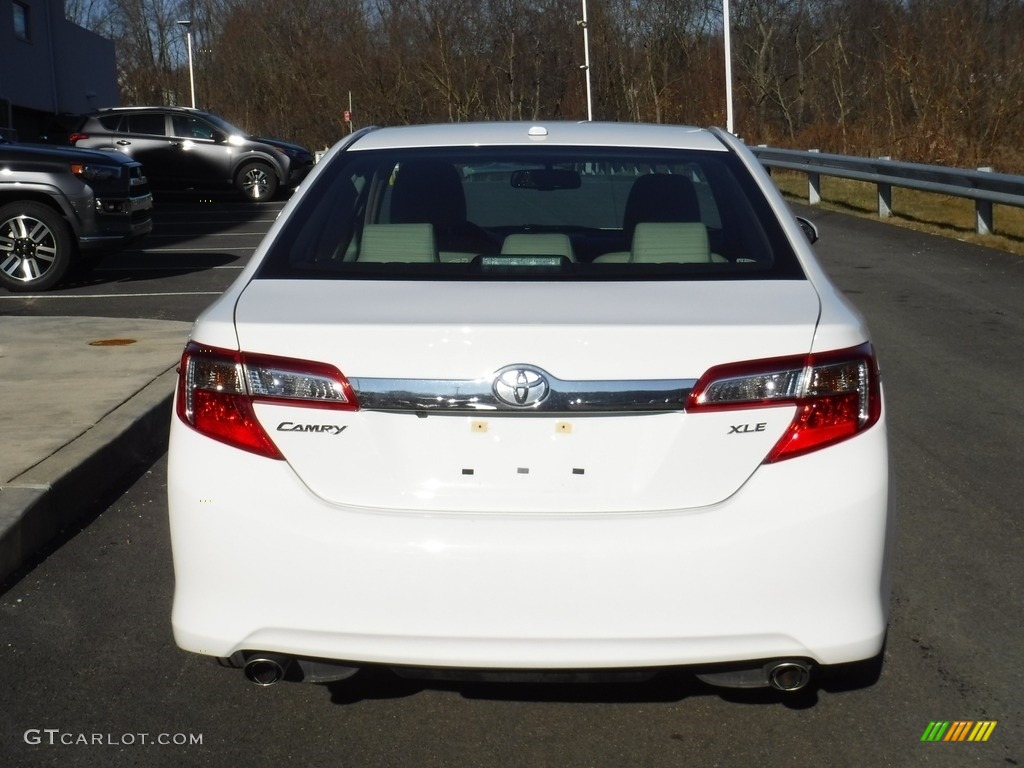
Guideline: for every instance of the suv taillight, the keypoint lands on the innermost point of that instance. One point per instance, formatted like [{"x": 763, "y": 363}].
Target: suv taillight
[
  {"x": 217, "y": 389},
  {"x": 72, "y": 138},
  {"x": 837, "y": 395}
]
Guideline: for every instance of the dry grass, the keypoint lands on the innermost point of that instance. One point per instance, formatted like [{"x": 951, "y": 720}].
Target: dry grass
[{"x": 938, "y": 214}]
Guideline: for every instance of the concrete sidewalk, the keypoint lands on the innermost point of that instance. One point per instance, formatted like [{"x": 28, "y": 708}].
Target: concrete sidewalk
[{"x": 83, "y": 400}]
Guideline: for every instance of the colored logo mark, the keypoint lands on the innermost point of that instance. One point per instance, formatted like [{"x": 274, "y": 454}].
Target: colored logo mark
[{"x": 959, "y": 730}]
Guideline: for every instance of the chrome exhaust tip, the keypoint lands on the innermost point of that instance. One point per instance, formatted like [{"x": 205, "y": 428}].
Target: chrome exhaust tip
[
  {"x": 789, "y": 675},
  {"x": 266, "y": 669}
]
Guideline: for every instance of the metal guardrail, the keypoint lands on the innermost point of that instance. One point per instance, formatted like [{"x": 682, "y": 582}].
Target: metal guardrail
[{"x": 983, "y": 186}]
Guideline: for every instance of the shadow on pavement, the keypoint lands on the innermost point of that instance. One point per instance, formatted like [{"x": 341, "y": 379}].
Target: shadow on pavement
[{"x": 375, "y": 683}]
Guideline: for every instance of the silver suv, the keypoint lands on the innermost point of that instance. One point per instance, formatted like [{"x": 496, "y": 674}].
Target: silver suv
[{"x": 182, "y": 148}]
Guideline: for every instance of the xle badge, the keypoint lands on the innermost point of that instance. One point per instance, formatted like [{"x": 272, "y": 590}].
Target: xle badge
[{"x": 742, "y": 429}]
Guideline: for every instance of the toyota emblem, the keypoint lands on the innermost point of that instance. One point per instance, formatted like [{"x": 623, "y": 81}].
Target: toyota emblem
[{"x": 520, "y": 386}]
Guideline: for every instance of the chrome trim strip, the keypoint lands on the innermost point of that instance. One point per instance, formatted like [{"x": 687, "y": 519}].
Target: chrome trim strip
[{"x": 453, "y": 395}]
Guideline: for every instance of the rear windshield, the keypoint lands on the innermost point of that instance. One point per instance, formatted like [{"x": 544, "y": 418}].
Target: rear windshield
[{"x": 523, "y": 213}]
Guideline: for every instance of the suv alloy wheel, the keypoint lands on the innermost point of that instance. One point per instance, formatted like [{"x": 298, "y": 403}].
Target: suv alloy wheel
[
  {"x": 256, "y": 182},
  {"x": 35, "y": 247}
]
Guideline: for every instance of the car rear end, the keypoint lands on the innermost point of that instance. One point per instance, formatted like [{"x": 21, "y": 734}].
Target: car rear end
[{"x": 537, "y": 421}]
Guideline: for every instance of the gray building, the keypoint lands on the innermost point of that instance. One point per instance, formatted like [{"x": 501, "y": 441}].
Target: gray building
[{"x": 50, "y": 66}]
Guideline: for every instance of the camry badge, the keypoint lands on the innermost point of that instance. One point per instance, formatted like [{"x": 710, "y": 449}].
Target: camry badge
[
  {"x": 291, "y": 426},
  {"x": 520, "y": 386}
]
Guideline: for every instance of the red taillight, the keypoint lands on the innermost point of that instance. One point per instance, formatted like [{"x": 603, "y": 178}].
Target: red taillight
[
  {"x": 77, "y": 137},
  {"x": 837, "y": 395},
  {"x": 230, "y": 419},
  {"x": 217, "y": 389}
]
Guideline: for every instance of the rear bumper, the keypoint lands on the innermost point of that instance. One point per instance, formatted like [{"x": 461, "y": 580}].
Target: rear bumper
[{"x": 793, "y": 564}]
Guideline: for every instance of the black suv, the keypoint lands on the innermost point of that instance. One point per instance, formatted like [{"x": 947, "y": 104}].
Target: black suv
[
  {"x": 56, "y": 202},
  {"x": 182, "y": 148}
]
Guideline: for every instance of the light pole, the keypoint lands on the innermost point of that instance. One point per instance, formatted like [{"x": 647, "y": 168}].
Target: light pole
[
  {"x": 728, "y": 67},
  {"x": 586, "y": 60},
  {"x": 187, "y": 24}
]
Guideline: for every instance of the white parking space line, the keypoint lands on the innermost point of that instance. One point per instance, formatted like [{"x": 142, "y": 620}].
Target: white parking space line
[
  {"x": 200, "y": 215},
  {"x": 165, "y": 268},
  {"x": 106, "y": 295},
  {"x": 256, "y": 233},
  {"x": 190, "y": 250},
  {"x": 192, "y": 219}
]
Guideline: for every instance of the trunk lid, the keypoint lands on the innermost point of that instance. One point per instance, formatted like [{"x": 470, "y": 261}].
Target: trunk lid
[{"x": 407, "y": 345}]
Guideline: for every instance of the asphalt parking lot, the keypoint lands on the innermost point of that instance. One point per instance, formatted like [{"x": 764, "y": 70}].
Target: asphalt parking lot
[
  {"x": 198, "y": 245},
  {"x": 95, "y": 679}
]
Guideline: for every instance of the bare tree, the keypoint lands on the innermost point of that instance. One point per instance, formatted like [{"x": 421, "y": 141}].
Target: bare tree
[{"x": 933, "y": 80}]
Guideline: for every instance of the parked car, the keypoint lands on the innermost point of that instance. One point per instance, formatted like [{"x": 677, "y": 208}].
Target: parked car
[
  {"x": 182, "y": 148},
  {"x": 57, "y": 203},
  {"x": 59, "y": 128},
  {"x": 593, "y": 407}
]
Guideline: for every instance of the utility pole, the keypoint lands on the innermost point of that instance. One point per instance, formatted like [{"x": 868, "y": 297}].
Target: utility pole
[
  {"x": 586, "y": 60},
  {"x": 187, "y": 24},
  {"x": 728, "y": 67}
]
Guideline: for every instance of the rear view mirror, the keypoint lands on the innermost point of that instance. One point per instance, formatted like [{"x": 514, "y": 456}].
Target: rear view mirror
[{"x": 546, "y": 179}]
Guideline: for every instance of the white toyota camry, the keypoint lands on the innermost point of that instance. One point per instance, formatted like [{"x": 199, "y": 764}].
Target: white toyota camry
[{"x": 529, "y": 398}]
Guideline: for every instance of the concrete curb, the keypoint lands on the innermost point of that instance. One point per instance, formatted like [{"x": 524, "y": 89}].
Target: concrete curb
[{"x": 52, "y": 495}]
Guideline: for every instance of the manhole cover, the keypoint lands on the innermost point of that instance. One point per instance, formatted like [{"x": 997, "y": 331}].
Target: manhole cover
[{"x": 111, "y": 342}]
